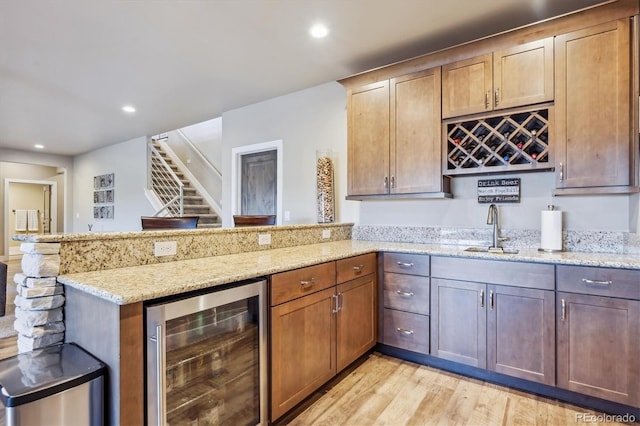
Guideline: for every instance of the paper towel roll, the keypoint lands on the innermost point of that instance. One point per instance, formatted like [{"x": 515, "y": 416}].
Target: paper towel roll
[{"x": 551, "y": 230}]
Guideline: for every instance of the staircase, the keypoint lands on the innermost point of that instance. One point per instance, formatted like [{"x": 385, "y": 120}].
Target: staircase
[{"x": 193, "y": 204}]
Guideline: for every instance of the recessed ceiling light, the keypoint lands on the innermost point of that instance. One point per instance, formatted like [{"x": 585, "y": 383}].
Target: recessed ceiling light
[
  {"x": 38, "y": 146},
  {"x": 319, "y": 31},
  {"x": 129, "y": 109}
]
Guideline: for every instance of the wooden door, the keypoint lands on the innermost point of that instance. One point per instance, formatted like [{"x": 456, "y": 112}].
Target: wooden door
[
  {"x": 259, "y": 183},
  {"x": 523, "y": 74},
  {"x": 467, "y": 86},
  {"x": 357, "y": 319},
  {"x": 599, "y": 346},
  {"x": 368, "y": 140},
  {"x": 521, "y": 333},
  {"x": 593, "y": 106},
  {"x": 459, "y": 321},
  {"x": 415, "y": 137},
  {"x": 302, "y": 349}
]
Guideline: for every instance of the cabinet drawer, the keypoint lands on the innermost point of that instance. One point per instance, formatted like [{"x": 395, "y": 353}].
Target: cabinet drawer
[
  {"x": 407, "y": 331},
  {"x": 290, "y": 285},
  {"x": 403, "y": 263},
  {"x": 515, "y": 274},
  {"x": 612, "y": 282},
  {"x": 409, "y": 293},
  {"x": 354, "y": 267}
]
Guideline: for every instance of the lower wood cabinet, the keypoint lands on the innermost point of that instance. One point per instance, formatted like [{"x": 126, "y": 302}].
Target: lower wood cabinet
[
  {"x": 314, "y": 335},
  {"x": 508, "y": 329},
  {"x": 599, "y": 347},
  {"x": 405, "y": 301},
  {"x": 356, "y": 322},
  {"x": 303, "y": 355}
]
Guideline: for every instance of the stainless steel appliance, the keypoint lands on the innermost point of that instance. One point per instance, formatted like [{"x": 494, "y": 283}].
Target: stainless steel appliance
[{"x": 206, "y": 358}]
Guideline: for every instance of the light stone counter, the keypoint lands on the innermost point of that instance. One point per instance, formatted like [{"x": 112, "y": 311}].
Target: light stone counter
[{"x": 146, "y": 282}]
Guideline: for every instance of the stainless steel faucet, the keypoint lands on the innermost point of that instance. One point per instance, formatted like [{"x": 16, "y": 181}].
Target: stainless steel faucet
[{"x": 492, "y": 219}]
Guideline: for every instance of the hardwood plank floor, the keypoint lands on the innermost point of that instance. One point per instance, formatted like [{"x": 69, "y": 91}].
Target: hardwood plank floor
[{"x": 388, "y": 391}]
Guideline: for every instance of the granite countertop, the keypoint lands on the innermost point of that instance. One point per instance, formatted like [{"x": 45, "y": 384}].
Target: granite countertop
[{"x": 142, "y": 283}]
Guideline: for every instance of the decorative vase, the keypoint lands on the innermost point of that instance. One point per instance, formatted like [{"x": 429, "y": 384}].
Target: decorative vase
[{"x": 325, "y": 186}]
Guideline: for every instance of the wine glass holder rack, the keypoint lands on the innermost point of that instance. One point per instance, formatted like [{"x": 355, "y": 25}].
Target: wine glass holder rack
[{"x": 517, "y": 141}]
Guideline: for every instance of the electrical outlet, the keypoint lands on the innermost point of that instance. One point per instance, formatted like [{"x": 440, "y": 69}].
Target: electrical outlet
[
  {"x": 264, "y": 239},
  {"x": 326, "y": 233},
  {"x": 165, "y": 248}
]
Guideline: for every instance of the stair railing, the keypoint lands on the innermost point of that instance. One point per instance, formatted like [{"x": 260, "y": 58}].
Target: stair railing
[{"x": 166, "y": 185}]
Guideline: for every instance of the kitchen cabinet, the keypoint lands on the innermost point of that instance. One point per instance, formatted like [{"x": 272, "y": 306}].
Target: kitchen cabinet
[
  {"x": 323, "y": 317},
  {"x": 599, "y": 332},
  {"x": 394, "y": 137},
  {"x": 512, "y": 77},
  {"x": 405, "y": 310},
  {"x": 480, "y": 307},
  {"x": 302, "y": 334},
  {"x": 595, "y": 143},
  {"x": 357, "y": 308}
]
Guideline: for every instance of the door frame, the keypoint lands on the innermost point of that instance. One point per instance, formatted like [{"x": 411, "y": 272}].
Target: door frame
[
  {"x": 236, "y": 170},
  {"x": 53, "y": 208}
]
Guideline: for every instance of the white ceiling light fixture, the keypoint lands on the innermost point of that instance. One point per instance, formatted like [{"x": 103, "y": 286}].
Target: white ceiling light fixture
[
  {"x": 129, "y": 109},
  {"x": 38, "y": 146},
  {"x": 319, "y": 31}
]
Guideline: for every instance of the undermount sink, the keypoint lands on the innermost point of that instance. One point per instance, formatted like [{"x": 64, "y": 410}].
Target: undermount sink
[{"x": 491, "y": 250}]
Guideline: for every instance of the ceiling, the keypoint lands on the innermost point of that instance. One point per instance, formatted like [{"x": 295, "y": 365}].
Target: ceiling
[{"x": 68, "y": 66}]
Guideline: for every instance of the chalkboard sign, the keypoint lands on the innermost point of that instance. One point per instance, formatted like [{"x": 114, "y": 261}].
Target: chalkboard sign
[{"x": 499, "y": 190}]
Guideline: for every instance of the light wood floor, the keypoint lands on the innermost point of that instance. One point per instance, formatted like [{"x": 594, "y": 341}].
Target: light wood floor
[{"x": 388, "y": 391}]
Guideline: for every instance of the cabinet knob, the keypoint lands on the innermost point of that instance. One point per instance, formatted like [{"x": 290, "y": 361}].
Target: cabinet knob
[
  {"x": 307, "y": 283},
  {"x": 358, "y": 268}
]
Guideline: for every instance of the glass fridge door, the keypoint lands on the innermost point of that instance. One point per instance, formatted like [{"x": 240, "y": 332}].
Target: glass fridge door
[{"x": 212, "y": 360}]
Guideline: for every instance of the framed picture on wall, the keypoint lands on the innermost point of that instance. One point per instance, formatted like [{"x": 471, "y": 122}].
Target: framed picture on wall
[{"x": 103, "y": 196}]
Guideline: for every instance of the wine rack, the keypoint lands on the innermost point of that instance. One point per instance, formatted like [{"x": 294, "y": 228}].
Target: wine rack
[{"x": 518, "y": 141}]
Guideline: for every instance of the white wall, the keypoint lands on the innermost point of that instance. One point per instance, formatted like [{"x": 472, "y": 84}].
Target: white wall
[
  {"x": 316, "y": 118},
  {"x": 128, "y": 162},
  {"x": 305, "y": 121}
]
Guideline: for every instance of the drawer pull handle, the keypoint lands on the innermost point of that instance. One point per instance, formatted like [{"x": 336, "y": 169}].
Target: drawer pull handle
[
  {"x": 491, "y": 299},
  {"x": 482, "y": 298},
  {"x": 405, "y": 264},
  {"x": 305, "y": 283},
  {"x": 358, "y": 268},
  {"x": 405, "y": 293},
  {"x": 597, "y": 282},
  {"x": 563, "y": 313},
  {"x": 336, "y": 306},
  {"x": 404, "y": 331}
]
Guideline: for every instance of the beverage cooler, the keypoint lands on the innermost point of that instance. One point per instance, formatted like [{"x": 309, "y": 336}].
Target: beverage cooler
[{"x": 206, "y": 358}]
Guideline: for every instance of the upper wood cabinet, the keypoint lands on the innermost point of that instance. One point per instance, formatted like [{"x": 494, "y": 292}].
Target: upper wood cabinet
[
  {"x": 368, "y": 139},
  {"x": 594, "y": 138},
  {"x": 394, "y": 143},
  {"x": 517, "y": 76}
]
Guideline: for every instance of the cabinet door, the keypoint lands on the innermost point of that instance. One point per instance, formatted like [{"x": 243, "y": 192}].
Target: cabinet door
[
  {"x": 593, "y": 107},
  {"x": 368, "y": 140},
  {"x": 302, "y": 348},
  {"x": 415, "y": 142},
  {"x": 467, "y": 86},
  {"x": 459, "y": 321},
  {"x": 357, "y": 321},
  {"x": 599, "y": 347},
  {"x": 521, "y": 333},
  {"x": 523, "y": 75}
]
